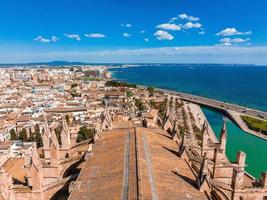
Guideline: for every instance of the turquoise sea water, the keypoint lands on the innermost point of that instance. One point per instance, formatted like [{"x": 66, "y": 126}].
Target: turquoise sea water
[
  {"x": 244, "y": 85},
  {"x": 237, "y": 140}
]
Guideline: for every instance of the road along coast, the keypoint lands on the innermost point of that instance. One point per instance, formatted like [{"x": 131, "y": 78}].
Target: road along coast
[{"x": 232, "y": 111}]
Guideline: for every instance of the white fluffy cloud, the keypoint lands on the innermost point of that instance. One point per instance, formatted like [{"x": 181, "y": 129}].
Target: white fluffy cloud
[
  {"x": 42, "y": 39},
  {"x": 126, "y": 35},
  {"x": 231, "y": 41},
  {"x": 142, "y": 31},
  {"x": 73, "y": 36},
  {"x": 173, "y": 19},
  {"x": 235, "y": 40},
  {"x": 54, "y": 38},
  {"x": 232, "y": 31},
  {"x": 95, "y": 35},
  {"x": 190, "y": 25},
  {"x": 126, "y": 25},
  {"x": 46, "y": 40},
  {"x": 168, "y": 26},
  {"x": 188, "y": 17},
  {"x": 163, "y": 35},
  {"x": 201, "y": 32},
  {"x": 146, "y": 40}
]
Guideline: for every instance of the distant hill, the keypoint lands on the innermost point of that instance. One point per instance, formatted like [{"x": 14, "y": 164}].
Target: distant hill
[
  {"x": 52, "y": 63},
  {"x": 58, "y": 63}
]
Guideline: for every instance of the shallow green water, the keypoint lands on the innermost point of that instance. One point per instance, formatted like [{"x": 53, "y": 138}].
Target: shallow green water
[{"x": 255, "y": 148}]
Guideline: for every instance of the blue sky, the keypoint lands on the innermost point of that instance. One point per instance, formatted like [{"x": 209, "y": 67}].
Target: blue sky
[{"x": 210, "y": 31}]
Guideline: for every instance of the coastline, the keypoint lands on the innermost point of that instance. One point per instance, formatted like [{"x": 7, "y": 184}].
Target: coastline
[
  {"x": 230, "y": 114},
  {"x": 205, "y": 81},
  {"x": 203, "y": 97},
  {"x": 233, "y": 115}
]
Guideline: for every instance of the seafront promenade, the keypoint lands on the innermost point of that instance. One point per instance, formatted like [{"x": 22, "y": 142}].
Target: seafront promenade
[
  {"x": 220, "y": 105},
  {"x": 216, "y": 104},
  {"x": 233, "y": 111}
]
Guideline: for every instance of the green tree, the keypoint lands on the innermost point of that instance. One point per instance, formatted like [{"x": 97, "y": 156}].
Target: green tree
[
  {"x": 162, "y": 107},
  {"x": 152, "y": 103},
  {"x": 150, "y": 89},
  {"x": 36, "y": 128},
  {"x": 181, "y": 130},
  {"x": 67, "y": 118},
  {"x": 38, "y": 136},
  {"x": 13, "y": 134},
  {"x": 58, "y": 132},
  {"x": 119, "y": 84},
  {"x": 31, "y": 138},
  {"x": 139, "y": 104},
  {"x": 85, "y": 134},
  {"x": 23, "y": 135},
  {"x": 73, "y": 85},
  {"x": 129, "y": 94},
  {"x": 38, "y": 139}
]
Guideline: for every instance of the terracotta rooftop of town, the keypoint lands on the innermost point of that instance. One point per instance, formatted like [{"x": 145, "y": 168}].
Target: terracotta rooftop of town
[
  {"x": 24, "y": 118},
  {"x": 5, "y": 144},
  {"x": 68, "y": 109},
  {"x": 151, "y": 114},
  {"x": 10, "y": 116},
  {"x": 15, "y": 167},
  {"x": 115, "y": 93},
  {"x": 136, "y": 163}
]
